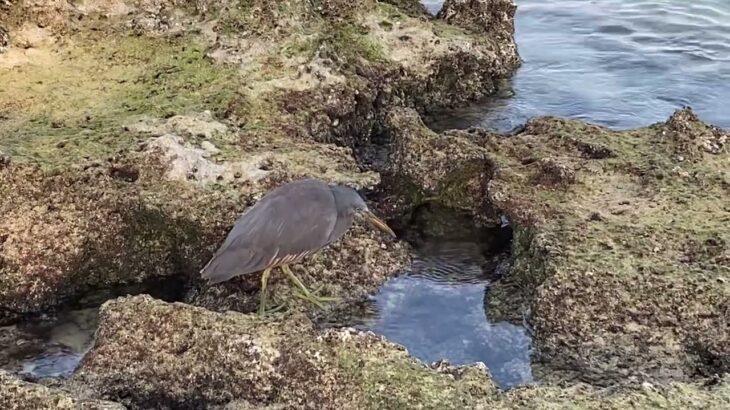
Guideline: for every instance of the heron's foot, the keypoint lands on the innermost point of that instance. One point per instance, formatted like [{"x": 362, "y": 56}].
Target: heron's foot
[
  {"x": 304, "y": 293},
  {"x": 265, "y": 311},
  {"x": 313, "y": 298}
]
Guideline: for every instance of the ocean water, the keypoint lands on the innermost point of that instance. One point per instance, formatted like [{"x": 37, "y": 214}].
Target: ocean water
[{"x": 618, "y": 63}]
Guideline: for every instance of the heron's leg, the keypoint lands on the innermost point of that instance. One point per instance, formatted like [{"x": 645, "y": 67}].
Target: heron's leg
[
  {"x": 295, "y": 280},
  {"x": 262, "y": 298},
  {"x": 306, "y": 294}
]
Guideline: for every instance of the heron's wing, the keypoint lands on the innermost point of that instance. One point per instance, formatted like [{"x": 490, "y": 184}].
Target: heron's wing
[{"x": 284, "y": 223}]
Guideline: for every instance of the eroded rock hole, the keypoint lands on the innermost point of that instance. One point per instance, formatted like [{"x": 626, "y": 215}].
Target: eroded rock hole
[{"x": 52, "y": 345}]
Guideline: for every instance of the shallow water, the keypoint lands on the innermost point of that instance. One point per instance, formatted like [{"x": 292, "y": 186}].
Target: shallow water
[
  {"x": 65, "y": 341},
  {"x": 436, "y": 309},
  {"x": 618, "y": 63}
]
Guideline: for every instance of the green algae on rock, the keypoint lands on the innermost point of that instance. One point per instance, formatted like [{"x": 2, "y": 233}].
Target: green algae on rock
[
  {"x": 334, "y": 71},
  {"x": 16, "y": 394},
  {"x": 200, "y": 358},
  {"x": 151, "y": 354}
]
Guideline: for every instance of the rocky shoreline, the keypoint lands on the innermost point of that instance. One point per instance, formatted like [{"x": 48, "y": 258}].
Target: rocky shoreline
[{"x": 133, "y": 132}]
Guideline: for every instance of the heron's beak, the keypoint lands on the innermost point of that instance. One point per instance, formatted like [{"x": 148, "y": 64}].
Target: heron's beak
[{"x": 378, "y": 223}]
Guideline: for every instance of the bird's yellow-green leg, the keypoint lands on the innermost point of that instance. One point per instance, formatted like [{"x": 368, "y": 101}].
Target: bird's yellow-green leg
[
  {"x": 262, "y": 298},
  {"x": 305, "y": 293}
]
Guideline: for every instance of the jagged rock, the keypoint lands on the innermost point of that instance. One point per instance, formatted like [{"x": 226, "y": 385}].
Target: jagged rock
[
  {"x": 640, "y": 292},
  {"x": 449, "y": 169},
  {"x": 493, "y": 17},
  {"x": 150, "y": 354},
  {"x": 65, "y": 234}
]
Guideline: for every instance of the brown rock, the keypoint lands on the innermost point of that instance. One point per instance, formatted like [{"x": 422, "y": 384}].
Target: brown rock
[
  {"x": 16, "y": 394},
  {"x": 446, "y": 168},
  {"x": 151, "y": 354},
  {"x": 494, "y": 17}
]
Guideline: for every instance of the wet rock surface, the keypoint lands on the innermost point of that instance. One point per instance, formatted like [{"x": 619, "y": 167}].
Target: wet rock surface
[
  {"x": 198, "y": 358},
  {"x": 16, "y": 394},
  {"x": 423, "y": 164}
]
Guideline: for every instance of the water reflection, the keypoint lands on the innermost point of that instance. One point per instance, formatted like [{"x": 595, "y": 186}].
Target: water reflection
[{"x": 619, "y": 63}]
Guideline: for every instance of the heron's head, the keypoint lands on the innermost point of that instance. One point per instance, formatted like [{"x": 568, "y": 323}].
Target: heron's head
[{"x": 350, "y": 203}]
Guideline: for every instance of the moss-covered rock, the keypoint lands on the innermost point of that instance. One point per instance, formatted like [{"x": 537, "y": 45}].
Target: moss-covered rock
[
  {"x": 139, "y": 129},
  {"x": 66, "y": 233},
  {"x": 445, "y": 168},
  {"x": 491, "y": 17},
  {"x": 199, "y": 358},
  {"x": 621, "y": 244},
  {"x": 151, "y": 354},
  {"x": 16, "y": 394}
]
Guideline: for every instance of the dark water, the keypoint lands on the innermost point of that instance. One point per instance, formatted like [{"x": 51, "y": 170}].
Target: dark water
[
  {"x": 64, "y": 341},
  {"x": 618, "y": 63},
  {"x": 436, "y": 309}
]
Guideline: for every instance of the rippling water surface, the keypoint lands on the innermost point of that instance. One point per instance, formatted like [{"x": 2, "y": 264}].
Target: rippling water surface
[{"x": 619, "y": 63}]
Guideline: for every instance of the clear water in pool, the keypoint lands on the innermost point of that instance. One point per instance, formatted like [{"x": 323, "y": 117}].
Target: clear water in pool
[
  {"x": 43, "y": 347},
  {"x": 437, "y": 308}
]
